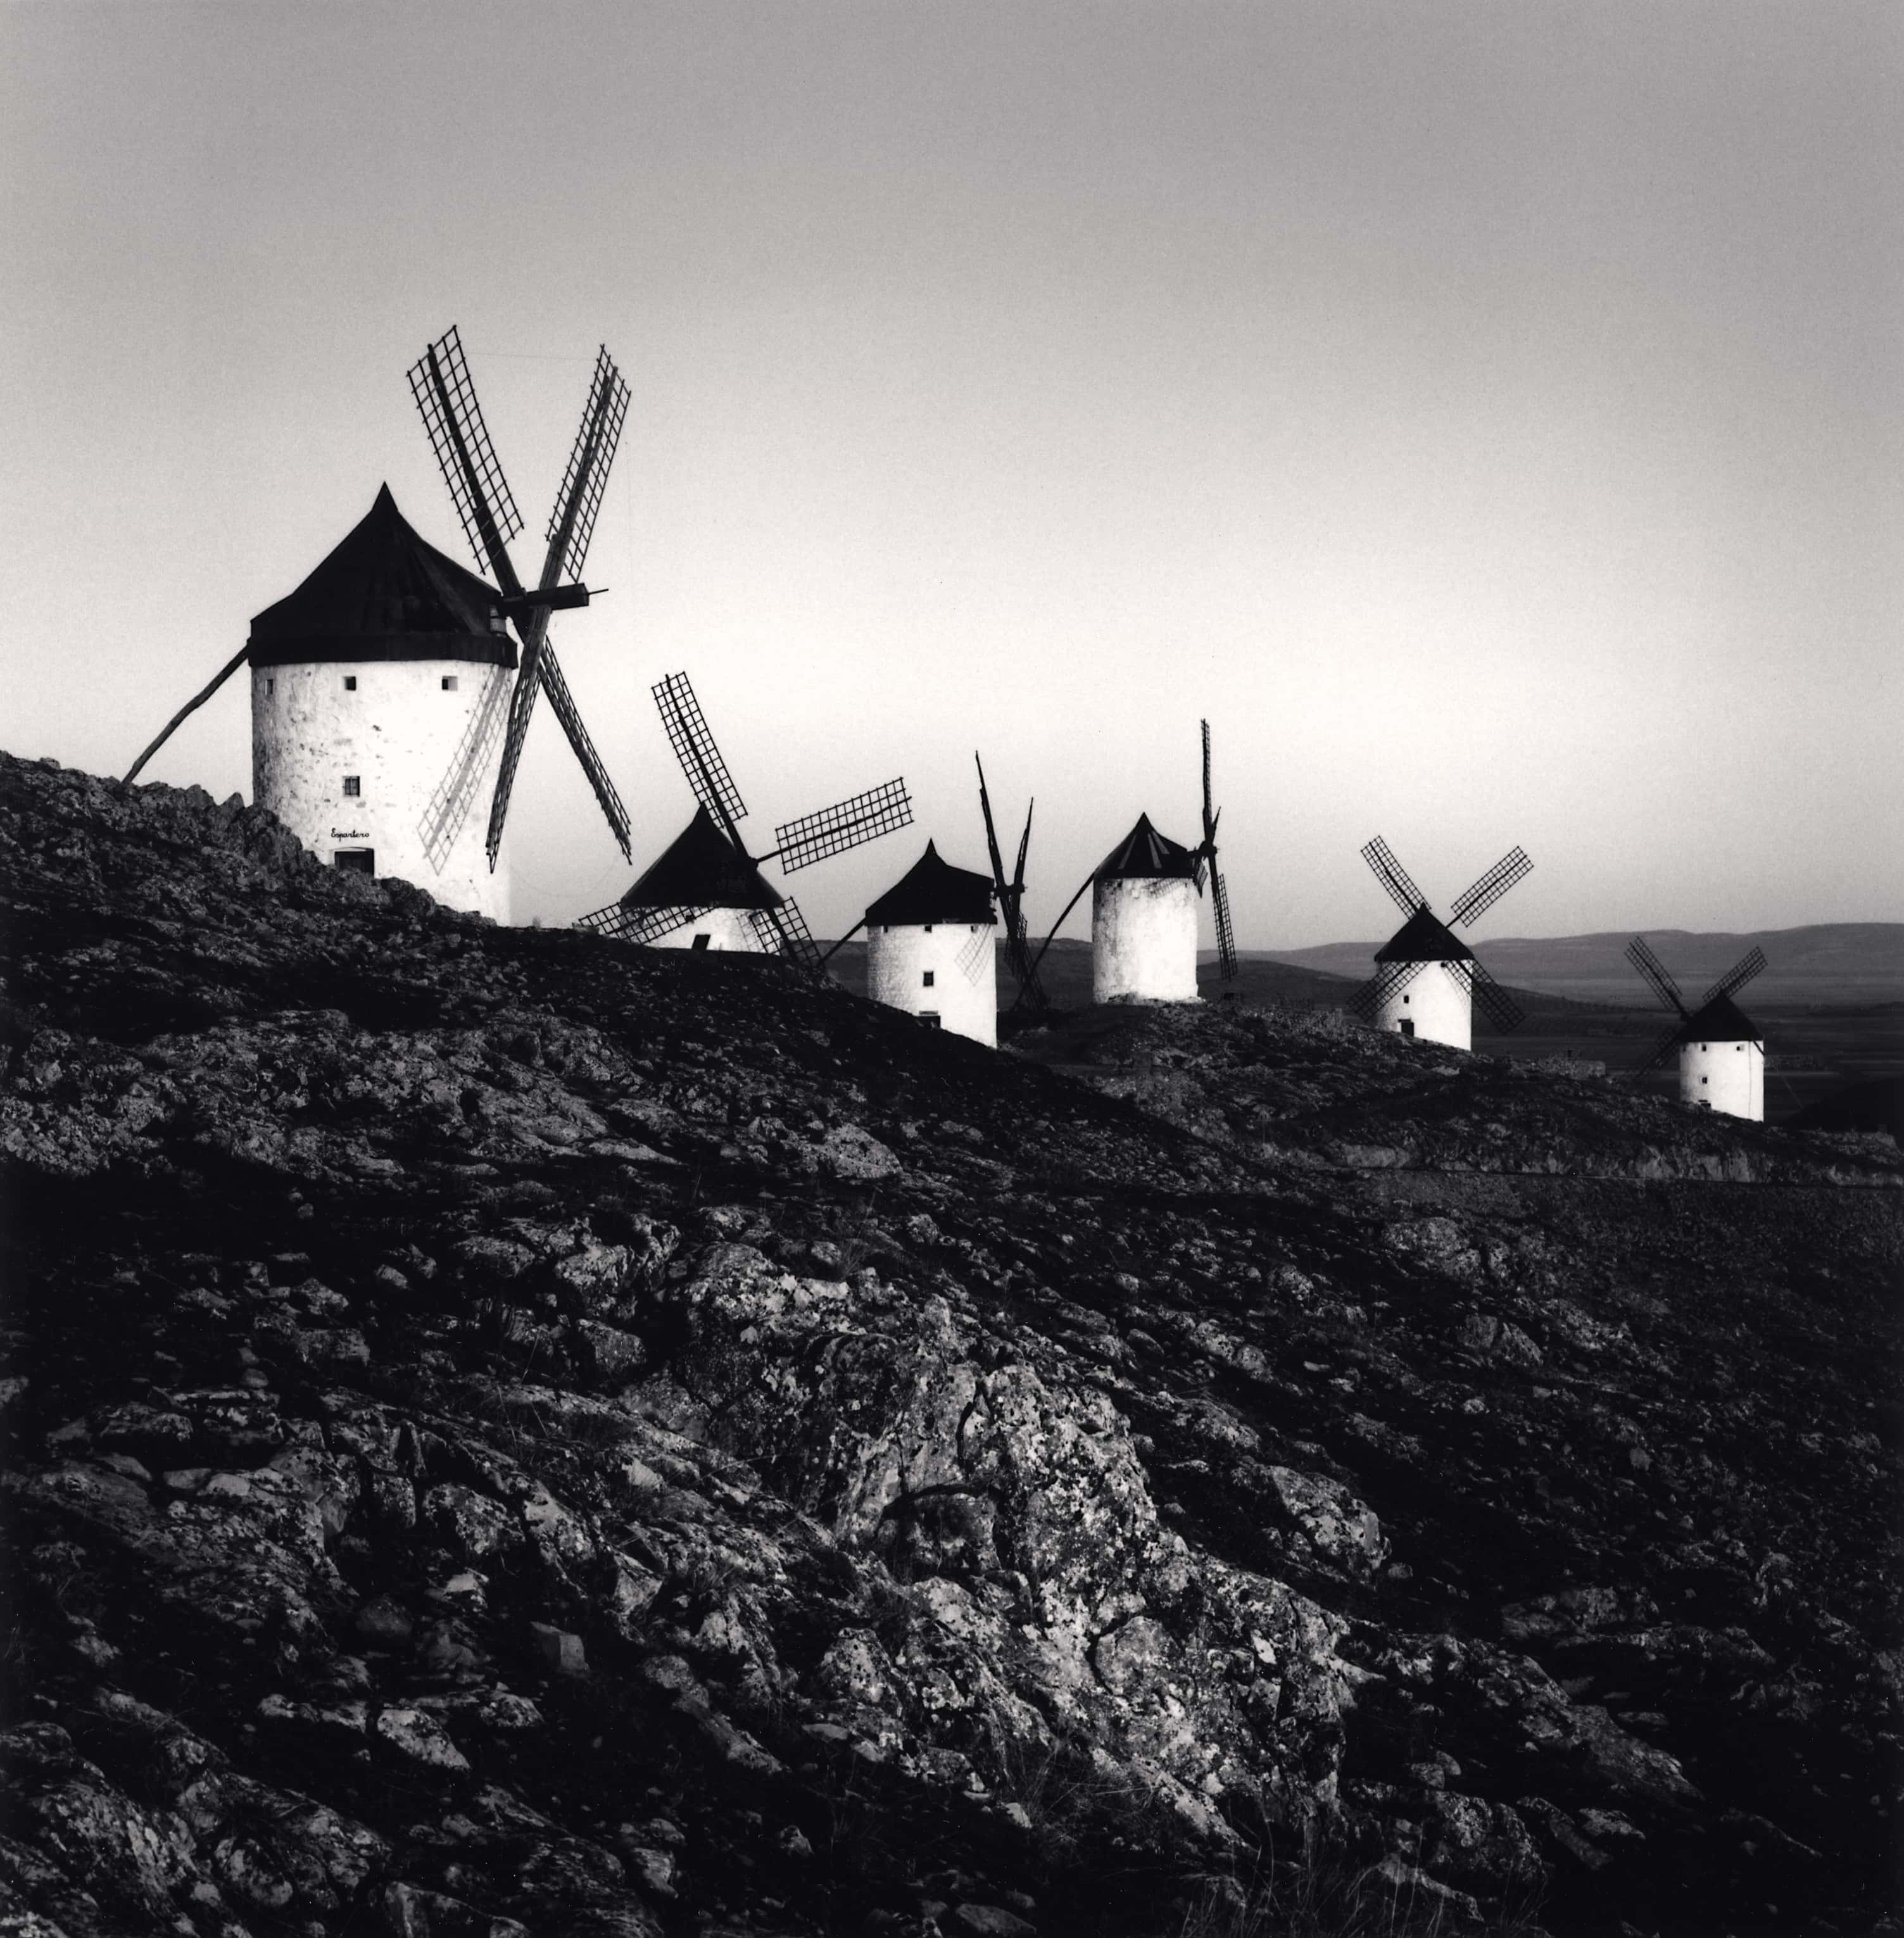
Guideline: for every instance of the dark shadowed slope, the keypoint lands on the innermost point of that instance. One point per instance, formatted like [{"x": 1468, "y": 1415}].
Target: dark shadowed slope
[{"x": 505, "y": 1426}]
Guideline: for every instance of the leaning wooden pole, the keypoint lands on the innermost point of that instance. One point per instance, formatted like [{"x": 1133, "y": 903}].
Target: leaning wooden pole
[{"x": 191, "y": 706}]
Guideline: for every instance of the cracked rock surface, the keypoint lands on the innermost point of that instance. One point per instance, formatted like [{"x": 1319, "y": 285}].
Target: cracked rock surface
[{"x": 511, "y": 1433}]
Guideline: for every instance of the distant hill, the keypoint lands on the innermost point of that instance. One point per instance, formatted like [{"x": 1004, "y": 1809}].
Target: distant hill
[{"x": 1827, "y": 962}]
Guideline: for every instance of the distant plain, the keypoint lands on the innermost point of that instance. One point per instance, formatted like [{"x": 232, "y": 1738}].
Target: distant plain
[{"x": 1831, "y": 1001}]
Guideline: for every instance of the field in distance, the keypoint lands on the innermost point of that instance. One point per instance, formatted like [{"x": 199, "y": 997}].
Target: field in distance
[{"x": 1832, "y": 1003}]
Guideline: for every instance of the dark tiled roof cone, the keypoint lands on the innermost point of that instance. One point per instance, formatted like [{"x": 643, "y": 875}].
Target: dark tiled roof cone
[
  {"x": 385, "y": 593},
  {"x": 1423, "y": 939},
  {"x": 1720, "y": 1021},
  {"x": 1143, "y": 852},
  {"x": 933, "y": 890},
  {"x": 698, "y": 869}
]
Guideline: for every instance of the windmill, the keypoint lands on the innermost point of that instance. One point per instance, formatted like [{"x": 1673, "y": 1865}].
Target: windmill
[
  {"x": 446, "y": 399},
  {"x": 383, "y": 657},
  {"x": 1219, "y": 898},
  {"x": 1403, "y": 995},
  {"x": 1011, "y": 904},
  {"x": 708, "y": 872},
  {"x": 1721, "y": 1049},
  {"x": 930, "y": 948}
]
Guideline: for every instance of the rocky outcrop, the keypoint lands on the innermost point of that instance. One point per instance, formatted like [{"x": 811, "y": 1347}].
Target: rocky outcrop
[{"x": 512, "y": 1433}]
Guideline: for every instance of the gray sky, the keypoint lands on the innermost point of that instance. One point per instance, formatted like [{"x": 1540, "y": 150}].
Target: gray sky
[{"x": 1488, "y": 415}]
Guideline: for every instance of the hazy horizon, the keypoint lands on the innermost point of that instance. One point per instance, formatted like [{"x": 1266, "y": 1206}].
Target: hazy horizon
[{"x": 1488, "y": 416}]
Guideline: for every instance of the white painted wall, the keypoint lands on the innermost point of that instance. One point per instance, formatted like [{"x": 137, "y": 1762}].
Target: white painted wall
[
  {"x": 400, "y": 732},
  {"x": 1143, "y": 940},
  {"x": 725, "y": 928},
  {"x": 1436, "y": 1002},
  {"x": 900, "y": 955},
  {"x": 1728, "y": 1077}
]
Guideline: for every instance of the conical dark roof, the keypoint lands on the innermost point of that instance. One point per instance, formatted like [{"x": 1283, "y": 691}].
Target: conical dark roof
[
  {"x": 932, "y": 890},
  {"x": 1720, "y": 1021},
  {"x": 698, "y": 869},
  {"x": 1423, "y": 939},
  {"x": 1144, "y": 852},
  {"x": 384, "y": 594}
]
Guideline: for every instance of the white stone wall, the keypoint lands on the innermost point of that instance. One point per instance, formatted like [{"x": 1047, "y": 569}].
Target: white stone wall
[
  {"x": 725, "y": 928},
  {"x": 399, "y": 732},
  {"x": 1728, "y": 1077},
  {"x": 1144, "y": 940},
  {"x": 1436, "y": 1002},
  {"x": 900, "y": 956}
]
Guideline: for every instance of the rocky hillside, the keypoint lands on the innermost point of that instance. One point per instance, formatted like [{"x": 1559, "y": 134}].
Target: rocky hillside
[{"x": 509, "y": 1433}]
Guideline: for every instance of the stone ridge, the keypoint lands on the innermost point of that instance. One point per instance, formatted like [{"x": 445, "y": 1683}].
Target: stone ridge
[{"x": 509, "y": 1432}]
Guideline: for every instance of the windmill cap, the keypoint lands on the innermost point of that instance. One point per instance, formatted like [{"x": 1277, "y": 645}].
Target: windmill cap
[
  {"x": 385, "y": 593},
  {"x": 1720, "y": 1021},
  {"x": 1422, "y": 938},
  {"x": 933, "y": 890},
  {"x": 699, "y": 869},
  {"x": 1143, "y": 852}
]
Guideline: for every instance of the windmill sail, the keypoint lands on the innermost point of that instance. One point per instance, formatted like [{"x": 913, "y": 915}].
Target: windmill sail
[
  {"x": 440, "y": 382},
  {"x": 1493, "y": 1001},
  {"x": 1011, "y": 901},
  {"x": 638, "y": 924},
  {"x": 693, "y": 742},
  {"x": 569, "y": 530},
  {"x": 1388, "y": 980},
  {"x": 1657, "y": 978},
  {"x": 445, "y": 396},
  {"x": 1393, "y": 876},
  {"x": 847, "y": 824},
  {"x": 1736, "y": 977},
  {"x": 1220, "y": 899},
  {"x": 784, "y": 929},
  {"x": 1472, "y": 903},
  {"x": 449, "y": 807}
]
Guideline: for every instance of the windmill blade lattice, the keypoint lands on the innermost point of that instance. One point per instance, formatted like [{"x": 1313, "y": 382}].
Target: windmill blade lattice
[
  {"x": 1393, "y": 876},
  {"x": 1473, "y": 903},
  {"x": 645, "y": 925},
  {"x": 1737, "y": 976},
  {"x": 449, "y": 807},
  {"x": 847, "y": 824},
  {"x": 971, "y": 958},
  {"x": 572, "y": 524},
  {"x": 1219, "y": 900},
  {"x": 440, "y": 382},
  {"x": 1657, "y": 976},
  {"x": 1660, "y": 1052},
  {"x": 1493, "y": 1001},
  {"x": 1390, "y": 980},
  {"x": 562, "y": 704},
  {"x": 783, "y": 931},
  {"x": 693, "y": 742}
]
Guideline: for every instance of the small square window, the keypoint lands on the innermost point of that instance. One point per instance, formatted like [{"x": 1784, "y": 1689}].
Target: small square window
[
  {"x": 928, "y": 928},
  {"x": 350, "y": 682},
  {"x": 270, "y": 684},
  {"x": 702, "y": 941},
  {"x": 1705, "y": 1080},
  {"x": 928, "y": 979},
  {"x": 353, "y": 784},
  {"x": 449, "y": 682}
]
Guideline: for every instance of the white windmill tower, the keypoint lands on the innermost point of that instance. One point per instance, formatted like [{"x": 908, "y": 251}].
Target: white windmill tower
[
  {"x": 1426, "y": 978},
  {"x": 1143, "y": 911},
  {"x": 1721, "y": 1049},
  {"x": 707, "y": 891},
  {"x": 380, "y": 687},
  {"x": 929, "y": 948},
  {"x": 1143, "y": 920}
]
